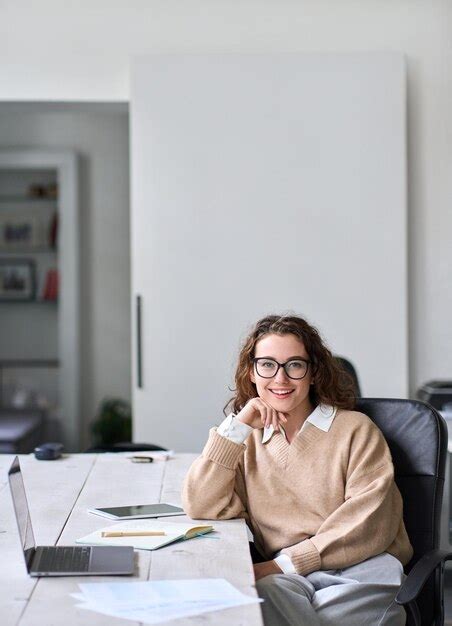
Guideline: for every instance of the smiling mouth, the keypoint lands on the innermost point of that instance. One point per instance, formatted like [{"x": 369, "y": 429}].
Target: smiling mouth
[{"x": 281, "y": 394}]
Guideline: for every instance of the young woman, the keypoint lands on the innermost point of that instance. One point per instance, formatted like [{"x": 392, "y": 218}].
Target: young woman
[{"x": 314, "y": 481}]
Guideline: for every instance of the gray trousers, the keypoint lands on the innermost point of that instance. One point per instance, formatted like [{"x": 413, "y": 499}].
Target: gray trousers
[{"x": 355, "y": 596}]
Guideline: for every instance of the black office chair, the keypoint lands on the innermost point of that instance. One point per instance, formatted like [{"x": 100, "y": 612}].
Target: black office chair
[
  {"x": 417, "y": 437},
  {"x": 126, "y": 446},
  {"x": 350, "y": 369}
]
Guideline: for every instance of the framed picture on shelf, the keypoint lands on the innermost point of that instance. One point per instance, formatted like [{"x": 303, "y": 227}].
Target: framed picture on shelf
[
  {"x": 17, "y": 280},
  {"x": 20, "y": 231}
]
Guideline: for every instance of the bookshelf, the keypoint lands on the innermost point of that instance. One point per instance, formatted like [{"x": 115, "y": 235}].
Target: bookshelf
[
  {"x": 39, "y": 283},
  {"x": 29, "y": 216}
]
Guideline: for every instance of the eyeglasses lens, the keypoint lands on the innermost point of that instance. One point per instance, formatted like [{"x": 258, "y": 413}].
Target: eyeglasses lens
[{"x": 266, "y": 368}]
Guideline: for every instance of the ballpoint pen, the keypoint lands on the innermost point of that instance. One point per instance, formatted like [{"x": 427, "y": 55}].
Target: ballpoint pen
[{"x": 133, "y": 533}]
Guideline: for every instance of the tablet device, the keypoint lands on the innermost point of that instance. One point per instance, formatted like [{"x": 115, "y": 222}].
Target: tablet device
[{"x": 138, "y": 511}]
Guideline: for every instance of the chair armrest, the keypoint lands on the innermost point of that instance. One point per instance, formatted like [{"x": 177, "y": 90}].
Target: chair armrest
[{"x": 419, "y": 575}]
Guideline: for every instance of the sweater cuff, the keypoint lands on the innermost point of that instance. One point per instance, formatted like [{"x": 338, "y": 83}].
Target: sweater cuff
[
  {"x": 304, "y": 556},
  {"x": 222, "y": 450}
]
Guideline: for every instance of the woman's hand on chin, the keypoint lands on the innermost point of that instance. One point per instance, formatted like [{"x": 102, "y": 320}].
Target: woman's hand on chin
[
  {"x": 265, "y": 569},
  {"x": 258, "y": 414}
]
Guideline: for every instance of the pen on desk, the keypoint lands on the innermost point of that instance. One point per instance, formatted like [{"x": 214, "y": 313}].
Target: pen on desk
[{"x": 133, "y": 533}]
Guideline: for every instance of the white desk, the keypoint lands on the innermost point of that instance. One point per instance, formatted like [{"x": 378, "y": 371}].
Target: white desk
[{"x": 59, "y": 493}]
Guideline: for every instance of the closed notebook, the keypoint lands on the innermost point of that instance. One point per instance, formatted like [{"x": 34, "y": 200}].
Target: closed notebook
[{"x": 173, "y": 532}]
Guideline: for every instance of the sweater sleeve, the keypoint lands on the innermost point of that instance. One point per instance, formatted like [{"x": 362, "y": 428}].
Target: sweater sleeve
[
  {"x": 367, "y": 522},
  {"x": 214, "y": 487}
]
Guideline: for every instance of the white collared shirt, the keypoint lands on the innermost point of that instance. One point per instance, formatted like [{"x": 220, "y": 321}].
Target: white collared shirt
[{"x": 322, "y": 417}]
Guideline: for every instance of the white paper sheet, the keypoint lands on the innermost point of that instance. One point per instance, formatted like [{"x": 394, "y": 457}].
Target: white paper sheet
[{"x": 153, "y": 602}]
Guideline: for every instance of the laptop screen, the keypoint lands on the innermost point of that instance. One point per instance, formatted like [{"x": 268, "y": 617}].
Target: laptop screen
[{"x": 16, "y": 484}]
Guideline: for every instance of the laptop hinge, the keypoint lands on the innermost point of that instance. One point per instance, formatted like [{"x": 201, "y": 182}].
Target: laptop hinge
[{"x": 29, "y": 555}]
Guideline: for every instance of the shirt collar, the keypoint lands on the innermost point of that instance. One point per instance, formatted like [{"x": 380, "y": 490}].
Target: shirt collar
[{"x": 322, "y": 417}]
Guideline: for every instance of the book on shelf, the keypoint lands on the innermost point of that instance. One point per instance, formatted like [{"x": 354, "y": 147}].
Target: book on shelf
[
  {"x": 51, "y": 282},
  {"x": 53, "y": 231}
]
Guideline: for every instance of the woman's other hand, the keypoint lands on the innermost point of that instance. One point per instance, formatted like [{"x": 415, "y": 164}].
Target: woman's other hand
[
  {"x": 265, "y": 569},
  {"x": 258, "y": 414}
]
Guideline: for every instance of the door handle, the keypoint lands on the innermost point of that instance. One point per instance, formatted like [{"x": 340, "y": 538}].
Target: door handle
[{"x": 139, "y": 352}]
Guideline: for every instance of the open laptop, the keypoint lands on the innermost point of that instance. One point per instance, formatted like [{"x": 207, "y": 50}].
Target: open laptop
[{"x": 62, "y": 560}]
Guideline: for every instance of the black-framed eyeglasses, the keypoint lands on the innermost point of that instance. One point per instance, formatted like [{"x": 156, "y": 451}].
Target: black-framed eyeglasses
[{"x": 294, "y": 368}]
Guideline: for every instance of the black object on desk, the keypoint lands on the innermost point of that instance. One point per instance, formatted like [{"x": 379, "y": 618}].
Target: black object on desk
[
  {"x": 438, "y": 393},
  {"x": 49, "y": 451},
  {"x": 127, "y": 446}
]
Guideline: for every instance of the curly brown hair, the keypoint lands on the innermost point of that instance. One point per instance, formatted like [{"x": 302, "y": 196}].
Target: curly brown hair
[{"x": 333, "y": 385}]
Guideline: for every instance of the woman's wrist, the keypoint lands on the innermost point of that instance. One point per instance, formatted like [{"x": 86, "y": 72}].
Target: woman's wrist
[{"x": 241, "y": 417}]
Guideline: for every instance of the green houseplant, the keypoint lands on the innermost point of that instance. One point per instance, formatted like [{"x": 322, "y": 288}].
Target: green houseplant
[{"x": 113, "y": 422}]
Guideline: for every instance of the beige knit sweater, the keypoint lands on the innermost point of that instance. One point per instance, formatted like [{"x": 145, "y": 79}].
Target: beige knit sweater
[{"x": 328, "y": 499}]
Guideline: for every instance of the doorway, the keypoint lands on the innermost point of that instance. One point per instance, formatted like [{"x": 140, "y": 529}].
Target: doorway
[{"x": 98, "y": 135}]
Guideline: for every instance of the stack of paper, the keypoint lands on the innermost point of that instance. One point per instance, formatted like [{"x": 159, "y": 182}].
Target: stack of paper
[{"x": 159, "y": 601}]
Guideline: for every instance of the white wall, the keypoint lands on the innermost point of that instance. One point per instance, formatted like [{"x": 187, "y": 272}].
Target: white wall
[
  {"x": 101, "y": 141},
  {"x": 274, "y": 188},
  {"x": 52, "y": 51}
]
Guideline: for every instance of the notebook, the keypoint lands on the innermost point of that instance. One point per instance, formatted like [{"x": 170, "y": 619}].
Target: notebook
[{"x": 173, "y": 532}]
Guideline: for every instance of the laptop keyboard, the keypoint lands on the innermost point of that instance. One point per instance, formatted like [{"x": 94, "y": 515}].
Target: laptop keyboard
[{"x": 63, "y": 559}]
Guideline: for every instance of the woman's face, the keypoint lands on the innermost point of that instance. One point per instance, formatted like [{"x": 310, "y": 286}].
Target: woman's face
[{"x": 281, "y": 392}]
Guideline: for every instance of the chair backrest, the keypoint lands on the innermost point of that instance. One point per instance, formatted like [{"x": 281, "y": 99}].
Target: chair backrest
[
  {"x": 350, "y": 369},
  {"x": 127, "y": 446},
  {"x": 417, "y": 437}
]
